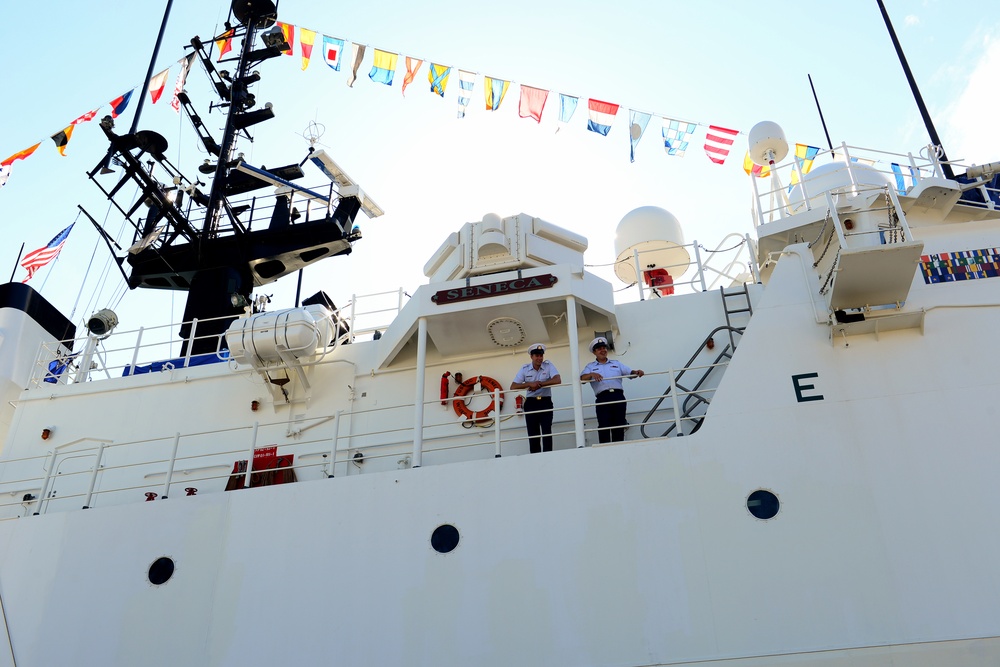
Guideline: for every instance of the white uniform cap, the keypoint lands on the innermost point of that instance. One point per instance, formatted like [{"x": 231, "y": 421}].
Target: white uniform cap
[
  {"x": 600, "y": 340},
  {"x": 536, "y": 346}
]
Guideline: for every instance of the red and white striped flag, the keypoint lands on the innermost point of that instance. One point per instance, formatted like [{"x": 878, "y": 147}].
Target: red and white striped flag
[
  {"x": 36, "y": 259},
  {"x": 718, "y": 142},
  {"x": 85, "y": 117}
]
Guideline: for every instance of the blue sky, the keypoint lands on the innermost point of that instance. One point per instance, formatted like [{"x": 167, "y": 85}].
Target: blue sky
[{"x": 730, "y": 63}]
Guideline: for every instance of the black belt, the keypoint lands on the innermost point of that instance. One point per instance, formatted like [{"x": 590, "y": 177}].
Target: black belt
[
  {"x": 609, "y": 391},
  {"x": 538, "y": 397}
]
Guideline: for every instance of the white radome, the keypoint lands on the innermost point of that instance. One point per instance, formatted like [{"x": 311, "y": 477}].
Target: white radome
[{"x": 657, "y": 235}]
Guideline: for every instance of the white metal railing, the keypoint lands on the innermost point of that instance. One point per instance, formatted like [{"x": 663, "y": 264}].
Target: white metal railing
[
  {"x": 733, "y": 261},
  {"x": 150, "y": 349},
  {"x": 788, "y": 192},
  {"x": 157, "y": 468}
]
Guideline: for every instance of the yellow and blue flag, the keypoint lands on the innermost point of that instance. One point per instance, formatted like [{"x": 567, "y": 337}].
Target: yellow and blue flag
[
  {"x": 495, "y": 90},
  {"x": 804, "y": 156},
  {"x": 383, "y": 67},
  {"x": 438, "y": 76}
]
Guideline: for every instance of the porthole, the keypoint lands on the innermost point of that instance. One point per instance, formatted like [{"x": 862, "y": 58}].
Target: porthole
[
  {"x": 161, "y": 570},
  {"x": 444, "y": 539},
  {"x": 762, "y": 504}
]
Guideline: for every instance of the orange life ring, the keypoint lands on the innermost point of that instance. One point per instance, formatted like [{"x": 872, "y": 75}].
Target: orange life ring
[{"x": 462, "y": 410}]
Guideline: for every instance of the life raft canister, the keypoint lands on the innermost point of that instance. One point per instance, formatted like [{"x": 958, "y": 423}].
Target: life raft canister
[{"x": 463, "y": 411}]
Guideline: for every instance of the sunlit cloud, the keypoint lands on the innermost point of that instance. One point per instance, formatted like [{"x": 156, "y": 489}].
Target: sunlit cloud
[{"x": 911, "y": 20}]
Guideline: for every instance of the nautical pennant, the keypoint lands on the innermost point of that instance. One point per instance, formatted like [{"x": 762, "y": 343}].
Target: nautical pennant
[
  {"x": 675, "y": 136},
  {"x": 438, "y": 77},
  {"x": 119, "y": 103},
  {"x": 495, "y": 90},
  {"x": 20, "y": 155},
  {"x": 36, "y": 259},
  {"x": 157, "y": 84},
  {"x": 901, "y": 185},
  {"x": 225, "y": 43},
  {"x": 185, "y": 63},
  {"x": 804, "y": 156},
  {"x": 718, "y": 141},
  {"x": 637, "y": 122},
  {"x": 288, "y": 32},
  {"x": 567, "y": 107},
  {"x": 62, "y": 139},
  {"x": 357, "y": 55},
  {"x": 383, "y": 67},
  {"x": 412, "y": 67},
  {"x": 532, "y": 102},
  {"x": 602, "y": 115},
  {"x": 754, "y": 169},
  {"x": 466, "y": 80},
  {"x": 332, "y": 48},
  {"x": 306, "y": 40},
  {"x": 85, "y": 117}
]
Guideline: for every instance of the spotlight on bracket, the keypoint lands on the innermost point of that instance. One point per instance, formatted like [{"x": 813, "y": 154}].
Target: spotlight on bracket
[{"x": 102, "y": 323}]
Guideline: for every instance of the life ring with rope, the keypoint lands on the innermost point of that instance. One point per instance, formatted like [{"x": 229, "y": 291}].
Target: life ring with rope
[{"x": 469, "y": 417}]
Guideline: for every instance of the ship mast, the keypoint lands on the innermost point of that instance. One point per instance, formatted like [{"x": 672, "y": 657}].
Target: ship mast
[
  {"x": 928, "y": 123},
  {"x": 221, "y": 260}
]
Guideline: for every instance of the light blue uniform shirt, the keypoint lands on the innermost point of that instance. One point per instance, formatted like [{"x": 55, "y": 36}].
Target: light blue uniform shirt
[
  {"x": 545, "y": 372},
  {"x": 608, "y": 371}
]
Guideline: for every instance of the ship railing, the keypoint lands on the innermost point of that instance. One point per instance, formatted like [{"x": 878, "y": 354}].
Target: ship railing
[
  {"x": 95, "y": 472},
  {"x": 786, "y": 189},
  {"x": 123, "y": 352},
  {"x": 368, "y": 315},
  {"x": 731, "y": 262},
  {"x": 159, "y": 348}
]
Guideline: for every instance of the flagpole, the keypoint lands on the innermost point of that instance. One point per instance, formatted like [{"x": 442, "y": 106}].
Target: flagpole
[
  {"x": 49, "y": 273},
  {"x": 18, "y": 261}
]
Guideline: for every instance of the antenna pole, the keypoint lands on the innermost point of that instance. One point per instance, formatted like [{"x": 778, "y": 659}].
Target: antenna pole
[
  {"x": 928, "y": 123},
  {"x": 820, "y": 110},
  {"x": 152, "y": 64}
]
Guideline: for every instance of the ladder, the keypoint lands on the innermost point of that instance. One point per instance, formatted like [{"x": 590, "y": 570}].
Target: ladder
[{"x": 694, "y": 397}]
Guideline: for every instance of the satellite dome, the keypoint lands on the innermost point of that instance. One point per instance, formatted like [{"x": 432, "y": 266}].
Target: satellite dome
[
  {"x": 767, "y": 143},
  {"x": 836, "y": 176},
  {"x": 657, "y": 235}
]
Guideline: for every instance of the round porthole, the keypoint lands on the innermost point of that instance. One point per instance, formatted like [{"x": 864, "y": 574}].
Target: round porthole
[
  {"x": 762, "y": 504},
  {"x": 444, "y": 538},
  {"x": 161, "y": 570}
]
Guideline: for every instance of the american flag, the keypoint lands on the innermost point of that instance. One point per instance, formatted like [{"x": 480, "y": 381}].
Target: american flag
[
  {"x": 36, "y": 259},
  {"x": 718, "y": 141}
]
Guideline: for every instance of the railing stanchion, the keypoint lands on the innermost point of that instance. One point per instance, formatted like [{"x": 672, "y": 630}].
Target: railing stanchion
[
  {"x": 418, "y": 409},
  {"x": 135, "y": 352},
  {"x": 701, "y": 268},
  {"x": 93, "y": 476},
  {"x": 677, "y": 404},
  {"x": 638, "y": 274},
  {"x": 45, "y": 482},
  {"x": 333, "y": 444},
  {"x": 194, "y": 333},
  {"x": 496, "y": 421},
  {"x": 170, "y": 466},
  {"x": 253, "y": 446}
]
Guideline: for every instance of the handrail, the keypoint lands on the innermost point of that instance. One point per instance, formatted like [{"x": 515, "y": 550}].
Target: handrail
[
  {"x": 692, "y": 393},
  {"x": 183, "y": 454}
]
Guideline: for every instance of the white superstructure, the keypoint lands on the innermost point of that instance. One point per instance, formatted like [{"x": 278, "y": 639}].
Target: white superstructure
[{"x": 808, "y": 476}]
